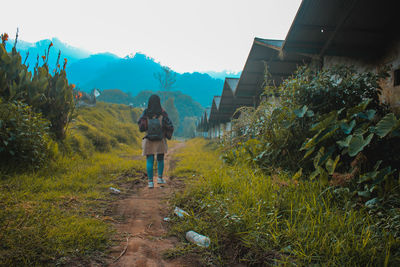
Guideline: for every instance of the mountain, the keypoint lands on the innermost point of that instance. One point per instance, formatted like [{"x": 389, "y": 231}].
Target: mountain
[
  {"x": 223, "y": 74},
  {"x": 200, "y": 86},
  {"x": 85, "y": 70},
  {"x": 128, "y": 74},
  {"x": 39, "y": 48},
  {"x": 108, "y": 71},
  {"x": 135, "y": 74}
]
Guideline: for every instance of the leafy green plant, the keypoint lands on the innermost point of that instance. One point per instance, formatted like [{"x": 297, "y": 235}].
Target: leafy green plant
[
  {"x": 283, "y": 123},
  {"x": 24, "y": 136},
  {"x": 345, "y": 139},
  {"x": 48, "y": 94},
  {"x": 335, "y": 88}
]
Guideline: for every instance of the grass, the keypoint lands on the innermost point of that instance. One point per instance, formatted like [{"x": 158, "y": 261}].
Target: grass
[
  {"x": 56, "y": 215},
  {"x": 257, "y": 219},
  {"x": 103, "y": 128}
]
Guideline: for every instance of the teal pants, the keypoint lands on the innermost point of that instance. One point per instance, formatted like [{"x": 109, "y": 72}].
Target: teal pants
[{"x": 150, "y": 166}]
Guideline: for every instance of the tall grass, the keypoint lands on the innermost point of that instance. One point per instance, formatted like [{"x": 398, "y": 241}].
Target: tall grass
[
  {"x": 259, "y": 219},
  {"x": 104, "y": 127},
  {"x": 55, "y": 215}
]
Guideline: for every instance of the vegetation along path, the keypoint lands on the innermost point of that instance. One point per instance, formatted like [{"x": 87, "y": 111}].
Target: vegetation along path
[{"x": 144, "y": 228}]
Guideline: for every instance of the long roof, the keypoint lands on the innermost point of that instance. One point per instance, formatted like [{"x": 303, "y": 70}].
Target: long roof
[
  {"x": 245, "y": 91},
  {"x": 228, "y": 105},
  {"x": 352, "y": 28},
  {"x": 355, "y": 28}
]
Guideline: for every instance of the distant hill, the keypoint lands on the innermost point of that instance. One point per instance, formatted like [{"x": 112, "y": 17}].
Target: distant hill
[
  {"x": 85, "y": 70},
  {"x": 222, "y": 74},
  {"x": 72, "y": 54},
  {"x": 135, "y": 74},
  {"x": 130, "y": 74}
]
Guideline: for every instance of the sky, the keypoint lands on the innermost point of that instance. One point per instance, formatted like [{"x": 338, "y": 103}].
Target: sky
[{"x": 186, "y": 35}]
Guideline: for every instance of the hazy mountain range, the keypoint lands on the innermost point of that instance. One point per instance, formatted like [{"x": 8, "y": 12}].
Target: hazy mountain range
[{"x": 129, "y": 74}]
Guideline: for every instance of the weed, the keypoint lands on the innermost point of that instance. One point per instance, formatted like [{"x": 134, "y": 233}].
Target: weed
[{"x": 261, "y": 219}]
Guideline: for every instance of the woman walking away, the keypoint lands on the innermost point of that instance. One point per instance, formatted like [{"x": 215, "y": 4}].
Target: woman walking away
[{"x": 158, "y": 127}]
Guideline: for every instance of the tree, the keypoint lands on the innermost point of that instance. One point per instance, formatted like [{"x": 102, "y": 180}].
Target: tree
[
  {"x": 173, "y": 114},
  {"x": 166, "y": 78},
  {"x": 189, "y": 127}
]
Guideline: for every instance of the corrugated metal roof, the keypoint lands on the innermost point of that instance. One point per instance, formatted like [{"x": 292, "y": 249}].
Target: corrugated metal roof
[
  {"x": 207, "y": 113},
  {"x": 265, "y": 52},
  {"x": 217, "y": 100},
  {"x": 277, "y": 44},
  {"x": 351, "y": 28},
  {"x": 232, "y": 82}
]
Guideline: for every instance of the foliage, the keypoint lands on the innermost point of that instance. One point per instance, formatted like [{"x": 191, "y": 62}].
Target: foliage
[
  {"x": 48, "y": 94},
  {"x": 356, "y": 149},
  {"x": 166, "y": 79},
  {"x": 115, "y": 96},
  {"x": 275, "y": 220},
  {"x": 277, "y": 131},
  {"x": 56, "y": 215},
  {"x": 334, "y": 88},
  {"x": 349, "y": 133},
  {"x": 189, "y": 129},
  {"x": 173, "y": 114},
  {"x": 24, "y": 138},
  {"x": 104, "y": 127},
  {"x": 283, "y": 123}
]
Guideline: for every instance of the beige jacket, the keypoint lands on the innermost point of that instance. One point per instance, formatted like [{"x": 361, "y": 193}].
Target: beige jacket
[{"x": 154, "y": 147}]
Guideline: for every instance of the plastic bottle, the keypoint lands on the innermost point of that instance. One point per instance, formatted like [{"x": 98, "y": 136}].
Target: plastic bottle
[
  {"x": 198, "y": 239},
  {"x": 115, "y": 190},
  {"x": 180, "y": 212}
]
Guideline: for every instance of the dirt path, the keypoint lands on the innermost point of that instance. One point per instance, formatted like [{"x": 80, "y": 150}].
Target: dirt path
[{"x": 144, "y": 212}]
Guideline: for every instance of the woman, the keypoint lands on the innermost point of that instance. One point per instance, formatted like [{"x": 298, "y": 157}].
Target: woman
[{"x": 158, "y": 127}]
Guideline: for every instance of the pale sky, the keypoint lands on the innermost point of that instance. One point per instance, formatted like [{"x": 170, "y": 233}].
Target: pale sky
[{"x": 185, "y": 35}]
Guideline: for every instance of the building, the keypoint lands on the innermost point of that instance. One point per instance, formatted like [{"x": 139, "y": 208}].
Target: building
[{"x": 364, "y": 34}]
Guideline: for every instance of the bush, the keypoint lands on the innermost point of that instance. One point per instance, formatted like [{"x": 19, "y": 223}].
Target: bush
[
  {"x": 282, "y": 125},
  {"x": 24, "y": 137},
  {"x": 48, "y": 94}
]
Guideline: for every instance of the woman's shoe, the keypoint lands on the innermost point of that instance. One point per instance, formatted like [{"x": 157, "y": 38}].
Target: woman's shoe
[
  {"x": 151, "y": 185},
  {"x": 160, "y": 181}
]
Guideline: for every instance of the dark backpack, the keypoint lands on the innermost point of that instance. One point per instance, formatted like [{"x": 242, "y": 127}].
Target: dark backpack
[{"x": 154, "y": 129}]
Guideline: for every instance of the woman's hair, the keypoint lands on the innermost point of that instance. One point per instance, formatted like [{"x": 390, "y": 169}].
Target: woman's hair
[{"x": 154, "y": 106}]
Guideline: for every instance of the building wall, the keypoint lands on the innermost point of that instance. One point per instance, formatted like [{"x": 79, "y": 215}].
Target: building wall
[
  {"x": 218, "y": 131},
  {"x": 390, "y": 93}
]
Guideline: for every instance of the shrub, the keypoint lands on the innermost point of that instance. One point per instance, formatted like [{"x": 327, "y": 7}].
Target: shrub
[
  {"x": 48, "y": 94},
  {"x": 24, "y": 136},
  {"x": 282, "y": 125}
]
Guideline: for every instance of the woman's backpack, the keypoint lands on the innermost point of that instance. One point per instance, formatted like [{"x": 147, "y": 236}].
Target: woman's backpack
[{"x": 154, "y": 129}]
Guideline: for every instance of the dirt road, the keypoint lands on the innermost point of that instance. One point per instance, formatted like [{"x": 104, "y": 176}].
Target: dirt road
[{"x": 144, "y": 227}]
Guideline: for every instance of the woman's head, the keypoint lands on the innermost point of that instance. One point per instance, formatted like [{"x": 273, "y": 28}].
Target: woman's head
[{"x": 154, "y": 106}]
